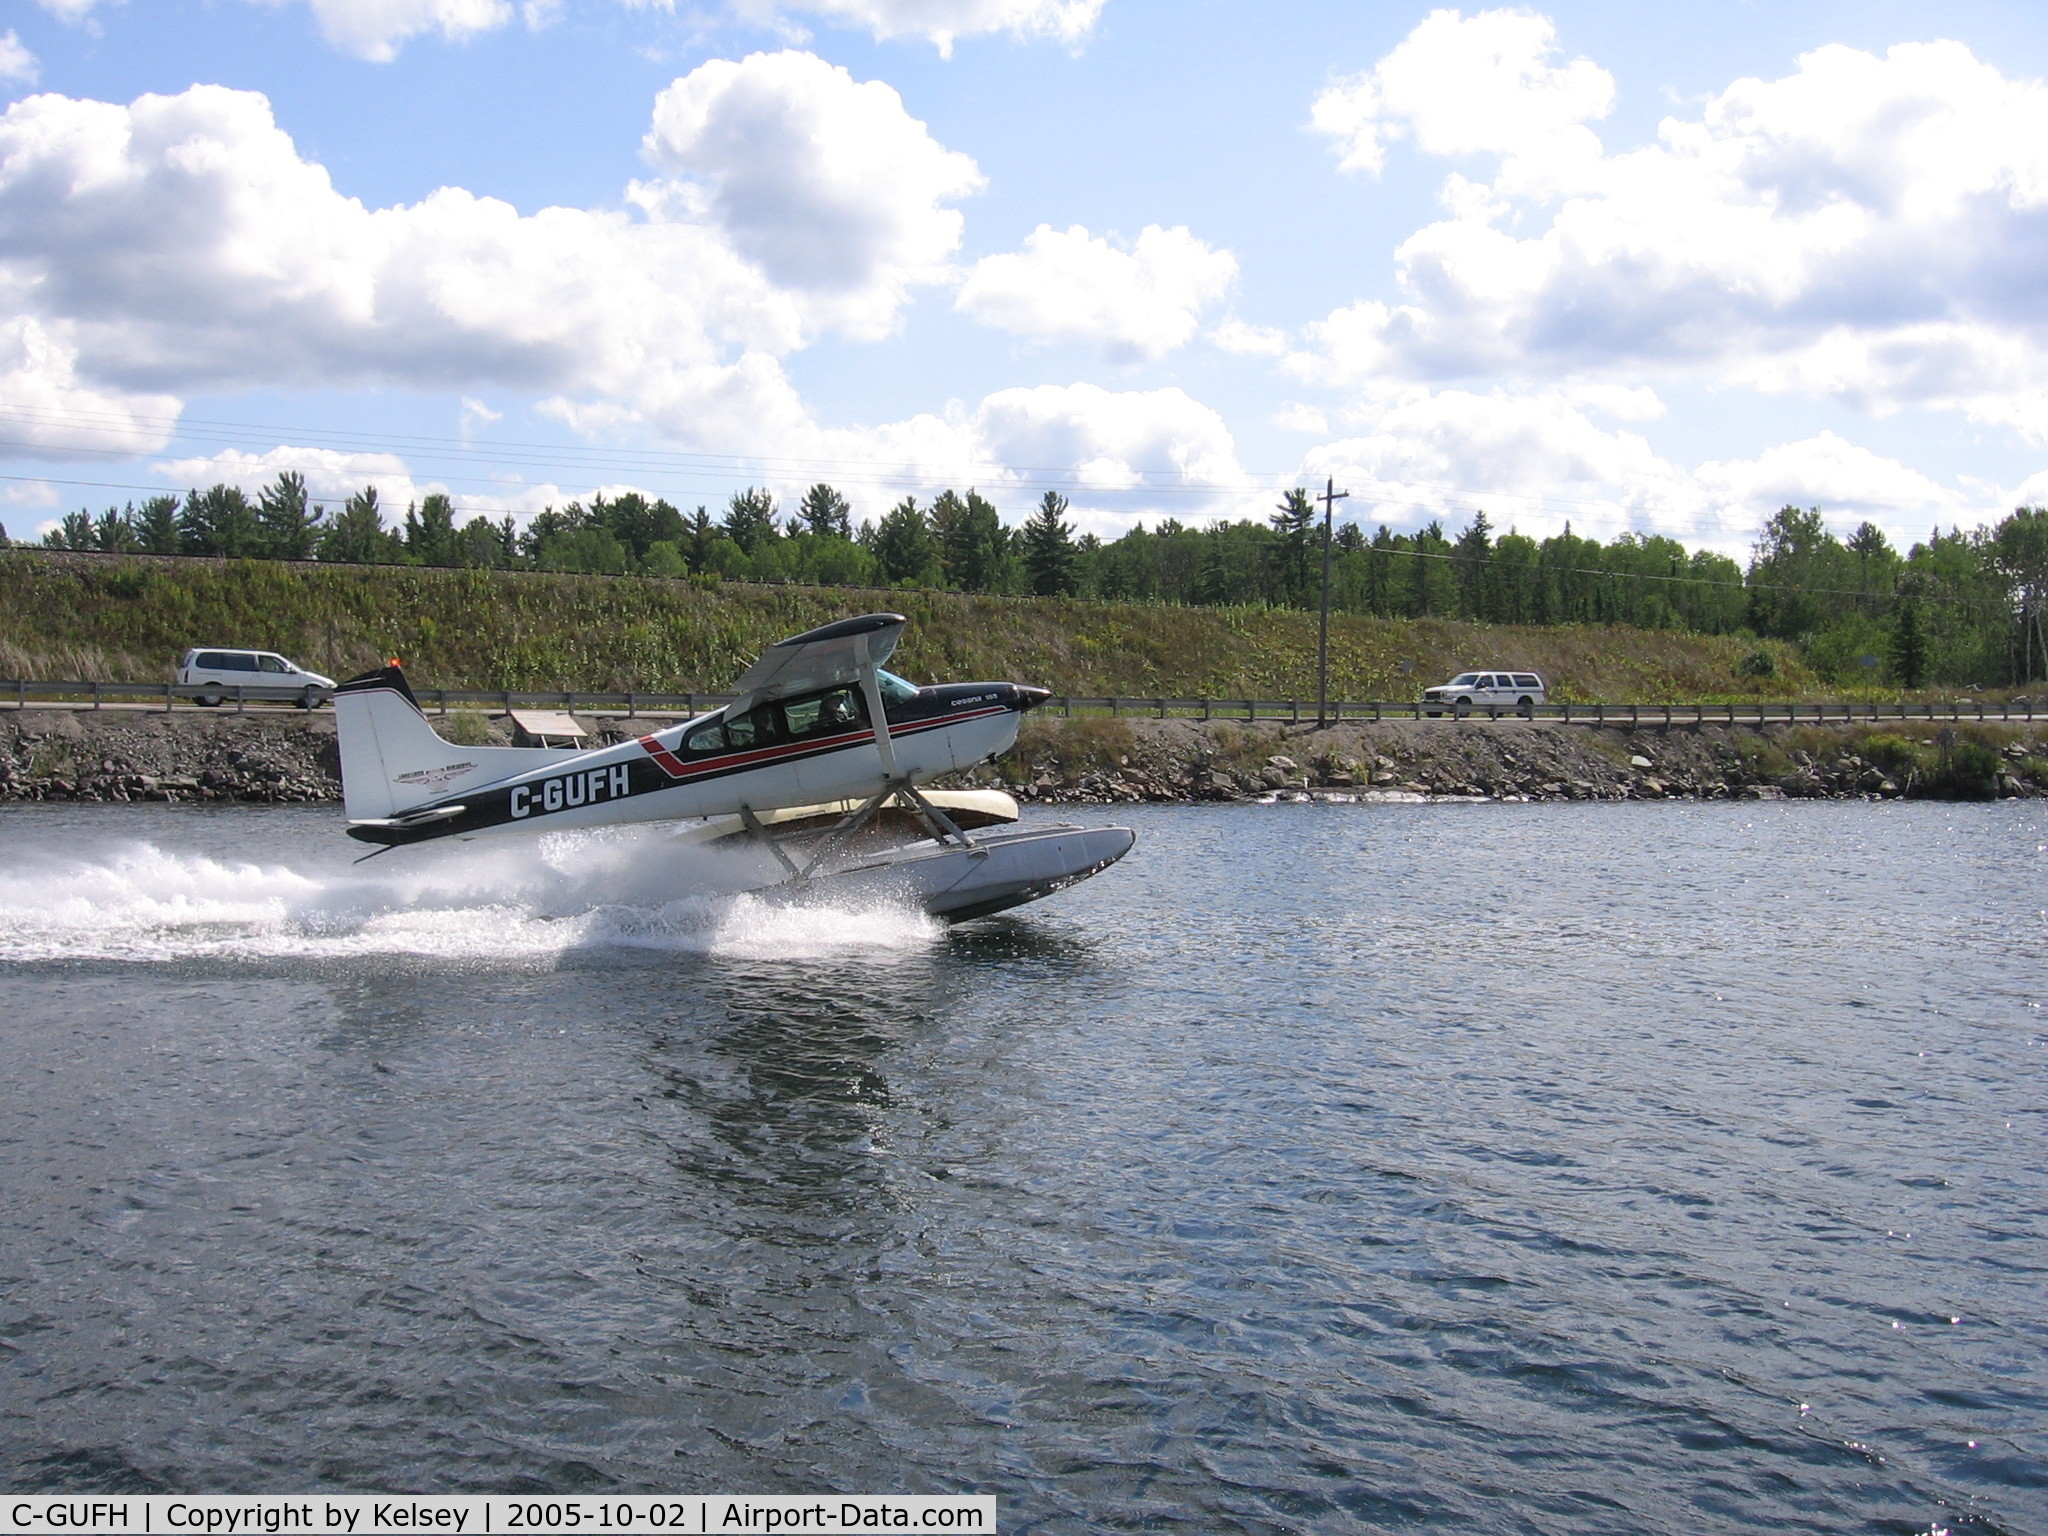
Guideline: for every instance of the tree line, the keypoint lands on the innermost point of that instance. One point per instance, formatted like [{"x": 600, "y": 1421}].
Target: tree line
[{"x": 1964, "y": 606}]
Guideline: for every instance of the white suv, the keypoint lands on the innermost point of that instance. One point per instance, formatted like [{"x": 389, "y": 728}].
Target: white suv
[
  {"x": 250, "y": 669},
  {"x": 1490, "y": 691}
]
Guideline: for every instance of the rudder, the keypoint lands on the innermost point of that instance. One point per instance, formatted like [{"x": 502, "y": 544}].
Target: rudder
[{"x": 383, "y": 733}]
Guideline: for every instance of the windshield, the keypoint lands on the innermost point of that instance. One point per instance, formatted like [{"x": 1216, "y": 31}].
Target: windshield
[
  {"x": 894, "y": 689},
  {"x": 1464, "y": 680}
]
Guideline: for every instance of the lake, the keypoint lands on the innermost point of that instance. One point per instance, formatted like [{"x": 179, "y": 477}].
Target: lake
[{"x": 1492, "y": 1168}]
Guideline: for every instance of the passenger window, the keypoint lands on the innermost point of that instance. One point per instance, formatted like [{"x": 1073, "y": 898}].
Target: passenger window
[
  {"x": 706, "y": 738},
  {"x": 1528, "y": 681},
  {"x": 240, "y": 662},
  {"x": 212, "y": 659},
  {"x": 801, "y": 718},
  {"x": 753, "y": 729},
  {"x": 272, "y": 663},
  {"x": 834, "y": 711}
]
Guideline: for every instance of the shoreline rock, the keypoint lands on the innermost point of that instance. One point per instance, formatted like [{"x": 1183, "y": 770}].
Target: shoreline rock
[{"x": 273, "y": 757}]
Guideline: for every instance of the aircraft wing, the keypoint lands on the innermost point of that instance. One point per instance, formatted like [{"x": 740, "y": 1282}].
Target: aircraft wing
[{"x": 818, "y": 658}]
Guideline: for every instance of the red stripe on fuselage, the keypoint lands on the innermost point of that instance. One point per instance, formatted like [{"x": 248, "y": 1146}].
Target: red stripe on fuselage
[
  {"x": 676, "y": 768},
  {"x": 664, "y": 759}
]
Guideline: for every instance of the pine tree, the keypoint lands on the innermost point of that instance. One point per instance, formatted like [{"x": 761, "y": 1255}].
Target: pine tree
[
  {"x": 825, "y": 512},
  {"x": 1909, "y": 643},
  {"x": 115, "y": 531},
  {"x": 636, "y": 522},
  {"x": 430, "y": 531},
  {"x": 477, "y": 543},
  {"x": 220, "y": 522},
  {"x": 74, "y": 531},
  {"x": 1293, "y": 521},
  {"x": 1468, "y": 565},
  {"x": 156, "y": 525},
  {"x": 698, "y": 533},
  {"x": 357, "y": 534},
  {"x": 546, "y": 526},
  {"x": 903, "y": 543},
  {"x": 1049, "y": 548},
  {"x": 289, "y": 525},
  {"x": 971, "y": 540},
  {"x": 750, "y": 519}
]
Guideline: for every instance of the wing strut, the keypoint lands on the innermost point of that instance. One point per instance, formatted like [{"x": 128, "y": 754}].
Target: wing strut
[{"x": 878, "y": 714}]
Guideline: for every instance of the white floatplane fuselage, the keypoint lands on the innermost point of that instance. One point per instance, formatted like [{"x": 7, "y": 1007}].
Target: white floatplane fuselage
[{"x": 816, "y": 721}]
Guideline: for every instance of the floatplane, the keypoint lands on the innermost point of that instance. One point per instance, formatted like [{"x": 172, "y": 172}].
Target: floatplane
[{"x": 820, "y": 758}]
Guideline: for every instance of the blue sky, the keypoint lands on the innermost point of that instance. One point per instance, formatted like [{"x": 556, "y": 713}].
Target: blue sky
[{"x": 1596, "y": 263}]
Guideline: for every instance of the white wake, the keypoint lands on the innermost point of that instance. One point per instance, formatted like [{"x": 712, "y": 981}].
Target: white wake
[{"x": 517, "y": 903}]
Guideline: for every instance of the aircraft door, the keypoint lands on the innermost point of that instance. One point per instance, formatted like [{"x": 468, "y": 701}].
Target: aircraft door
[{"x": 836, "y": 723}]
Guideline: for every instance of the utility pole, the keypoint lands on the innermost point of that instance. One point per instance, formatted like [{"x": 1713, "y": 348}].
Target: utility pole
[{"x": 1330, "y": 497}]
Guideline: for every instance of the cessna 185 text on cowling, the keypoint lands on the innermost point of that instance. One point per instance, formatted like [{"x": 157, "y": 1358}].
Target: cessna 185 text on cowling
[{"x": 817, "y": 724}]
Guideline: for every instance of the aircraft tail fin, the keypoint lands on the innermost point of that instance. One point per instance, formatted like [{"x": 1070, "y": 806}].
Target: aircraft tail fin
[{"x": 391, "y": 758}]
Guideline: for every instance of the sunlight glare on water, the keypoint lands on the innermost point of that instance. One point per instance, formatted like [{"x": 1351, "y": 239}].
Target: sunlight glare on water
[{"x": 1475, "y": 1168}]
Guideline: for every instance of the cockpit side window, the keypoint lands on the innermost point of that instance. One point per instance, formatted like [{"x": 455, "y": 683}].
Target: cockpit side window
[{"x": 824, "y": 715}]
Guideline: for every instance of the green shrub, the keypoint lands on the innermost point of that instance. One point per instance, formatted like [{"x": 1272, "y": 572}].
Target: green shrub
[
  {"x": 1968, "y": 771},
  {"x": 464, "y": 727},
  {"x": 1899, "y": 756}
]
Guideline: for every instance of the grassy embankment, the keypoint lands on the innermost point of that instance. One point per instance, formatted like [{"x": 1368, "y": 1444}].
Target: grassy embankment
[{"x": 119, "y": 618}]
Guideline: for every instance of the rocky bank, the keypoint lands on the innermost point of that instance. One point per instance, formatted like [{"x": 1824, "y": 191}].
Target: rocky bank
[
  {"x": 1185, "y": 760},
  {"x": 284, "y": 756}
]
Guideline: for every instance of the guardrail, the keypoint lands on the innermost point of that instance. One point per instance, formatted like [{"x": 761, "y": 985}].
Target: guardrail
[
  {"x": 1297, "y": 711},
  {"x": 21, "y": 692}
]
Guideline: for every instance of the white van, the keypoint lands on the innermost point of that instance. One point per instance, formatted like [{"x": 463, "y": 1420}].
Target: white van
[
  {"x": 250, "y": 669},
  {"x": 1490, "y": 691}
]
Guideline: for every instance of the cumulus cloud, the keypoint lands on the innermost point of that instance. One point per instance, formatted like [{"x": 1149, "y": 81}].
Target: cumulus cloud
[
  {"x": 46, "y": 411},
  {"x": 827, "y": 184},
  {"x": 1297, "y": 417},
  {"x": 16, "y": 62},
  {"x": 181, "y": 242},
  {"x": 1136, "y": 304},
  {"x": 334, "y": 475},
  {"x": 331, "y": 474},
  {"x": 1869, "y": 228},
  {"x": 1111, "y": 439},
  {"x": 377, "y": 29},
  {"x": 1118, "y": 455},
  {"x": 1484, "y": 84},
  {"x": 1536, "y": 460},
  {"x": 940, "y": 22},
  {"x": 1237, "y": 337}
]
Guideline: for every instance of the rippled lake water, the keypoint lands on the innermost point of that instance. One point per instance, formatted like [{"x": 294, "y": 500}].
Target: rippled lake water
[{"x": 1494, "y": 1168}]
